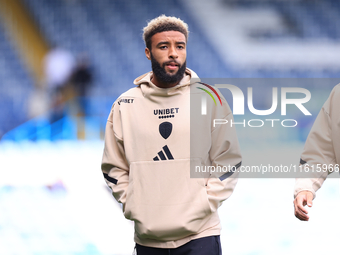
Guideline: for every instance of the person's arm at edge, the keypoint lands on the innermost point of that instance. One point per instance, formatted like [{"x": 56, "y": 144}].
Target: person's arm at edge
[{"x": 318, "y": 150}]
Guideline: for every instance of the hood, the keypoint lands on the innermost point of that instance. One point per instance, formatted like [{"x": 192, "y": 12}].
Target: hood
[{"x": 150, "y": 89}]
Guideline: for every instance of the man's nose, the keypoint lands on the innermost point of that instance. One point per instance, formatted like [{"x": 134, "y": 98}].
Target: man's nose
[{"x": 173, "y": 52}]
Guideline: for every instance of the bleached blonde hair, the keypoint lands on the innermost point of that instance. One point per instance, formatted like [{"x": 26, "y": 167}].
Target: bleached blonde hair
[{"x": 161, "y": 24}]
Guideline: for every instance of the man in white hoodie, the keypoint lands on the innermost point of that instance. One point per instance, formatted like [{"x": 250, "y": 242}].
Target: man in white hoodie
[{"x": 150, "y": 151}]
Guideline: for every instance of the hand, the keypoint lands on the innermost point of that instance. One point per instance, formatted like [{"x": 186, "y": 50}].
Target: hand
[{"x": 303, "y": 198}]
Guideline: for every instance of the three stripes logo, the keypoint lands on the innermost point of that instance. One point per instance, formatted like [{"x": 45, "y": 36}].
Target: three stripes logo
[
  {"x": 162, "y": 156},
  {"x": 204, "y": 98},
  {"x": 165, "y": 130}
]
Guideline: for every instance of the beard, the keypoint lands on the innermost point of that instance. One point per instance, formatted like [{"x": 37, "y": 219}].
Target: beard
[{"x": 162, "y": 75}]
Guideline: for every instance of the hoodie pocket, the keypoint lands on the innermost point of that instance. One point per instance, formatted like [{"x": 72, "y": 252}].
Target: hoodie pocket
[{"x": 164, "y": 202}]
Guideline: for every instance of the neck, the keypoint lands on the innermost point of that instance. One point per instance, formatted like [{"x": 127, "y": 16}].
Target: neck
[{"x": 162, "y": 84}]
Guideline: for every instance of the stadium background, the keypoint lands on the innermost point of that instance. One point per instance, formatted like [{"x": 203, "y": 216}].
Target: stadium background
[{"x": 53, "y": 199}]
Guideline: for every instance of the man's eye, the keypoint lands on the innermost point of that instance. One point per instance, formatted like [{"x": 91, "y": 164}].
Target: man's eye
[
  {"x": 163, "y": 47},
  {"x": 180, "y": 47}
]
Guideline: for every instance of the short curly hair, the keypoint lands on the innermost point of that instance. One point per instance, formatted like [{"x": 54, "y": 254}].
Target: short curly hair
[{"x": 161, "y": 24}]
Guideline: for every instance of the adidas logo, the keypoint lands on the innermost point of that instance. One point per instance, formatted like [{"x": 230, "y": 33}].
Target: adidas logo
[{"x": 161, "y": 154}]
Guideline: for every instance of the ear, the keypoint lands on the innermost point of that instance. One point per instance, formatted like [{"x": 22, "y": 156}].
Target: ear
[{"x": 147, "y": 53}]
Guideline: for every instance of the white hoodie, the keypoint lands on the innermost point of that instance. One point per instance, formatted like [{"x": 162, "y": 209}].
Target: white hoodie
[{"x": 151, "y": 144}]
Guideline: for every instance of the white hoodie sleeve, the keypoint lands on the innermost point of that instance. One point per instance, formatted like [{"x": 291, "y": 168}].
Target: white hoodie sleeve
[
  {"x": 318, "y": 158},
  {"x": 225, "y": 151},
  {"x": 114, "y": 164}
]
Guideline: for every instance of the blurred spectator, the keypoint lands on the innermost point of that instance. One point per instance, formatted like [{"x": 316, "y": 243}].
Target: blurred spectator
[
  {"x": 59, "y": 65},
  {"x": 82, "y": 80}
]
